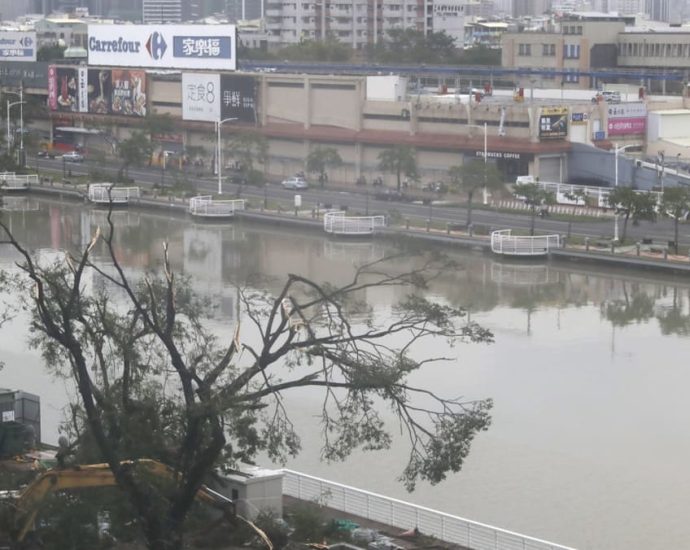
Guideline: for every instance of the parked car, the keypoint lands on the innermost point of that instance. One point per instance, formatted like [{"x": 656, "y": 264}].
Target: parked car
[
  {"x": 436, "y": 187},
  {"x": 44, "y": 153},
  {"x": 295, "y": 182},
  {"x": 73, "y": 156},
  {"x": 607, "y": 96}
]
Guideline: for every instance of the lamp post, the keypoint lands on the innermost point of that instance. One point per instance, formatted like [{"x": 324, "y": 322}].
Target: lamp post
[
  {"x": 617, "y": 149},
  {"x": 21, "y": 120},
  {"x": 485, "y": 198},
  {"x": 219, "y": 123}
]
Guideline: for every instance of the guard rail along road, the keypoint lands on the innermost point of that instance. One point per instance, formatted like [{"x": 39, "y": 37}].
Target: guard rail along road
[
  {"x": 503, "y": 242},
  {"x": 337, "y": 223},
  {"x": 403, "y": 515}
]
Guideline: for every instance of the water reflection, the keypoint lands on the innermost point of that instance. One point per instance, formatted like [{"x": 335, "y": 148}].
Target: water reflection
[{"x": 568, "y": 427}]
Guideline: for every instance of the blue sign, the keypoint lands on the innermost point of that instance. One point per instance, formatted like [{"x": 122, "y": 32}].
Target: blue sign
[
  {"x": 598, "y": 136},
  {"x": 203, "y": 47},
  {"x": 17, "y": 46}
]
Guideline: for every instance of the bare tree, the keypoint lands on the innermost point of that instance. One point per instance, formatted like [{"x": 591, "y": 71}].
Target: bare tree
[{"x": 155, "y": 382}]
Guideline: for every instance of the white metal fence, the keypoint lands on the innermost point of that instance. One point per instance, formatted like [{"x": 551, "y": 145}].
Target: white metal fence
[
  {"x": 206, "y": 206},
  {"x": 338, "y": 223},
  {"x": 105, "y": 193},
  {"x": 12, "y": 181},
  {"x": 403, "y": 515},
  {"x": 503, "y": 242}
]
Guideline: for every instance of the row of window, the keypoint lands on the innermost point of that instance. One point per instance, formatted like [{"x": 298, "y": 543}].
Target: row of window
[
  {"x": 570, "y": 76},
  {"x": 636, "y": 49},
  {"x": 572, "y": 29},
  {"x": 570, "y": 51}
]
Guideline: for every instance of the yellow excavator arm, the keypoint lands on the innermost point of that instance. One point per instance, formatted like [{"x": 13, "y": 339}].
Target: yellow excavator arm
[{"x": 100, "y": 475}]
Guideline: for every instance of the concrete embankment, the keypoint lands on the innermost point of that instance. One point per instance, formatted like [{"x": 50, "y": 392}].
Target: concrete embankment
[{"x": 452, "y": 239}]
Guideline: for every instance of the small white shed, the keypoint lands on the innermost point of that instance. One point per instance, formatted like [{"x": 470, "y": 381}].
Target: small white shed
[{"x": 254, "y": 489}]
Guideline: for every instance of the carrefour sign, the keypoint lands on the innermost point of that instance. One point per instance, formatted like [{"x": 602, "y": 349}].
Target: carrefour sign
[
  {"x": 18, "y": 46},
  {"x": 164, "y": 46}
]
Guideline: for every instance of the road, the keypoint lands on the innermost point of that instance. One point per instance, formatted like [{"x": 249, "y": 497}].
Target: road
[{"x": 362, "y": 200}]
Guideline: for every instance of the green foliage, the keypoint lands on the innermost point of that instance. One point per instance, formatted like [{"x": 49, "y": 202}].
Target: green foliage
[
  {"x": 632, "y": 204},
  {"x": 134, "y": 151},
  {"x": 412, "y": 46},
  {"x": 317, "y": 50},
  {"x": 156, "y": 123},
  {"x": 534, "y": 196},
  {"x": 308, "y": 521},
  {"x": 472, "y": 176},
  {"x": 249, "y": 149},
  {"x": 321, "y": 159},
  {"x": 400, "y": 160},
  {"x": 50, "y": 53}
]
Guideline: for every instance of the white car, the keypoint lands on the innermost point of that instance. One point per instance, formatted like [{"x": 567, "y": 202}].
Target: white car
[
  {"x": 73, "y": 156},
  {"x": 295, "y": 182}
]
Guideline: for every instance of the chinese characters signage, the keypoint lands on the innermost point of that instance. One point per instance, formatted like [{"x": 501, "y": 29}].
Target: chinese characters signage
[
  {"x": 211, "y": 97},
  {"x": 553, "y": 123},
  {"x": 18, "y": 46},
  {"x": 627, "y": 119}
]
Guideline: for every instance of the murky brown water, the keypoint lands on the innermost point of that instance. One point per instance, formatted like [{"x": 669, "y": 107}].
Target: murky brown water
[{"x": 589, "y": 446}]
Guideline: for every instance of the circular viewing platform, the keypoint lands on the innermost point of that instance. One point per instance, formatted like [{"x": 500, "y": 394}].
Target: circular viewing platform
[
  {"x": 337, "y": 223},
  {"x": 108, "y": 194},
  {"x": 9, "y": 181},
  {"x": 205, "y": 206},
  {"x": 505, "y": 243}
]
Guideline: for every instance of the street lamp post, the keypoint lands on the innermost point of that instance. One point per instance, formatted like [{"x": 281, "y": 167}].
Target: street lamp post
[
  {"x": 617, "y": 149},
  {"x": 219, "y": 161},
  {"x": 21, "y": 120},
  {"x": 485, "y": 198}
]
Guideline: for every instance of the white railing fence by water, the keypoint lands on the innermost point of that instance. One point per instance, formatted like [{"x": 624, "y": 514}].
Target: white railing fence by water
[
  {"x": 10, "y": 180},
  {"x": 206, "y": 205},
  {"x": 106, "y": 193},
  {"x": 403, "y": 515},
  {"x": 503, "y": 242},
  {"x": 340, "y": 224}
]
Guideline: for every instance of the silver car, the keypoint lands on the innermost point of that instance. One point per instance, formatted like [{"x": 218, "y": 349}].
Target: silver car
[{"x": 295, "y": 182}]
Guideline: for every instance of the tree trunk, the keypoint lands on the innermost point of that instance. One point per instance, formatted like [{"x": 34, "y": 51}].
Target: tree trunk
[
  {"x": 625, "y": 227},
  {"x": 675, "y": 234},
  {"x": 533, "y": 215},
  {"x": 469, "y": 207},
  {"x": 399, "y": 182}
]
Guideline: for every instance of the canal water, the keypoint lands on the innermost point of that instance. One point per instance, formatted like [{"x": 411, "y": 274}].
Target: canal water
[{"x": 589, "y": 444}]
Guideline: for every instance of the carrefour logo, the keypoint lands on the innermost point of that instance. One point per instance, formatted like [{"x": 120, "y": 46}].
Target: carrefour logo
[
  {"x": 118, "y": 45},
  {"x": 156, "y": 45}
]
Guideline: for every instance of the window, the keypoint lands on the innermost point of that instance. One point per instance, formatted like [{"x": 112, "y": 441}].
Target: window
[
  {"x": 571, "y": 51},
  {"x": 525, "y": 49},
  {"x": 548, "y": 49},
  {"x": 579, "y": 29},
  {"x": 571, "y": 76}
]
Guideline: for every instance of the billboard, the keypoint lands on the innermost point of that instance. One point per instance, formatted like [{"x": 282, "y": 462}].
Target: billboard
[
  {"x": 17, "y": 46},
  {"x": 33, "y": 75},
  {"x": 212, "y": 97},
  {"x": 163, "y": 46},
  {"x": 553, "y": 123},
  {"x": 238, "y": 99},
  {"x": 83, "y": 89},
  {"x": 128, "y": 92},
  {"x": 99, "y": 91},
  {"x": 201, "y": 97},
  {"x": 64, "y": 89},
  {"x": 627, "y": 119}
]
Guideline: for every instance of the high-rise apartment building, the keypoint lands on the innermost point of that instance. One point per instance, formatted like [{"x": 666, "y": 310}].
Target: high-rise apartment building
[{"x": 162, "y": 11}]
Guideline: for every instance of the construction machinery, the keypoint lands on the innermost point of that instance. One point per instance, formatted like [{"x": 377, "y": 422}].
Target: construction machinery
[{"x": 26, "y": 503}]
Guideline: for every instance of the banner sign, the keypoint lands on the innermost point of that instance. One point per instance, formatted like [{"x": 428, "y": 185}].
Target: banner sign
[
  {"x": 505, "y": 155},
  {"x": 627, "y": 119},
  {"x": 553, "y": 123},
  {"x": 33, "y": 75},
  {"x": 579, "y": 118},
  {"x": 52, "y": 88},
  {"x": 17, "y": 46},
  {"x": 83, "y": 84},
  {"x": 163, "y": 46},
  {"x": 128, "y": 93},
  {"x": 201, "y": 97},
  {"x": 238, "y": 98}
]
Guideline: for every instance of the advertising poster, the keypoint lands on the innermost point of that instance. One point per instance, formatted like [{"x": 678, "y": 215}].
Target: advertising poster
[
  {"x": 33, "y": 75},
  {"x": 238, "y": 99},
  {"x": 17, "y": 46},
  {"x": 128, "y": 95},
  {"x": 52, "y": 88},
  {"x": 99, "y": 91},
  {"x": 83, "y": 87},
  {"x": 627, "y": 119},
  {"x": 67, "y": 89},
  {"x": 201, "y": 97},
  {"x": 553, "y": 123},
  {"x": 210, "y": 47}
]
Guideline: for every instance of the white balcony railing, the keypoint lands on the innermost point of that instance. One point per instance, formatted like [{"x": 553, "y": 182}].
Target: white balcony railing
[{"x": 337, "y": 223}]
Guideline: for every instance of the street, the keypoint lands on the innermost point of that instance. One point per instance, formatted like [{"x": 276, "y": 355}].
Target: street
[{"x": 362, "y": 200}]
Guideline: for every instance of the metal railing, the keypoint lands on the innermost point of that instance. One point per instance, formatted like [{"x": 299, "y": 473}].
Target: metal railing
[
  {"x": 11, "y": 181},
  {"x": 338, "y": 223},
  {"x": 403, "y": 515},
  {"x": 504, "y": 242},
  {"x": 206, "y": 206},
  {"x": 105, "y": 193}
]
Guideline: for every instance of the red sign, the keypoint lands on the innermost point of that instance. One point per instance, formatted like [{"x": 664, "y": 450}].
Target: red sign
[{"x": 627, "y": 126}]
